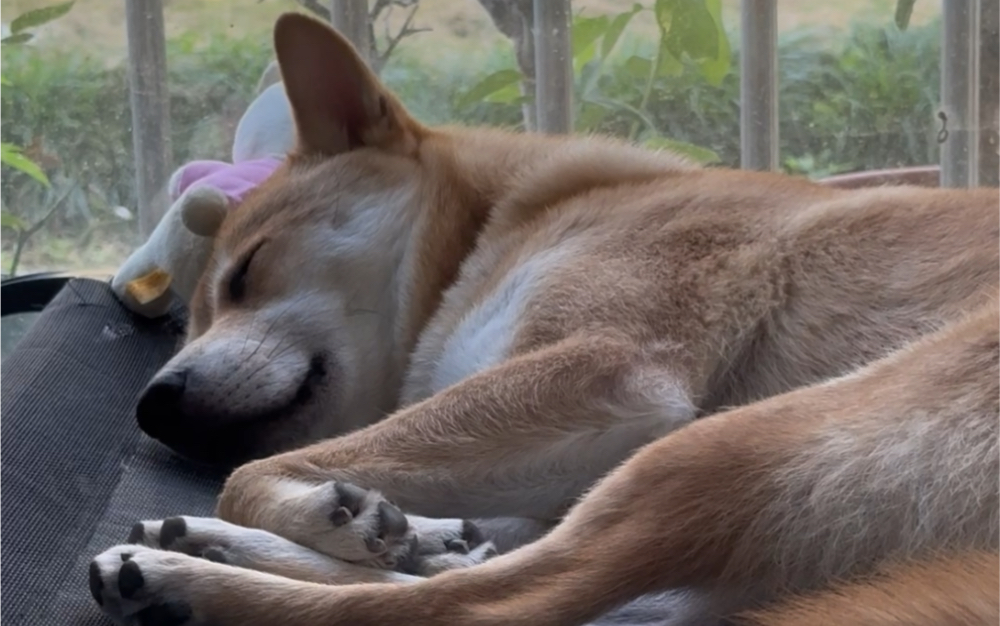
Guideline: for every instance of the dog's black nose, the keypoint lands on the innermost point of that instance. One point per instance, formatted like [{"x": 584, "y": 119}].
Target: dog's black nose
[{"x": 159, "y": 406}]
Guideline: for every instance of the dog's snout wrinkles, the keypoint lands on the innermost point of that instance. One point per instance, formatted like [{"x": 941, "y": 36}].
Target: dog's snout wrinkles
[{"x": 160, "y": 404}]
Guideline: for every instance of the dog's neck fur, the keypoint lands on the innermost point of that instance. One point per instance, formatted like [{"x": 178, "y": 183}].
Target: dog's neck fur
[{"x": 486, "y": 182}]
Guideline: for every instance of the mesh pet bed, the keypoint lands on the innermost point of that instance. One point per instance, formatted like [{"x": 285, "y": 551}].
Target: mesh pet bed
[{"x": 76, "y": 471}]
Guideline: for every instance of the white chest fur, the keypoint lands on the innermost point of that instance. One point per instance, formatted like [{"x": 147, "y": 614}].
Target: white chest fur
[{"x": 485, "y": 335}]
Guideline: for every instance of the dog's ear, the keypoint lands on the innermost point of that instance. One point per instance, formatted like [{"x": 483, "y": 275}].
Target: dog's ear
[{"x": 338, "y": 102}]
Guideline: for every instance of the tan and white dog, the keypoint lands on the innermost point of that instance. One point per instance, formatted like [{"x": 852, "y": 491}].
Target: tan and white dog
[{"x": 750, "y": 391}]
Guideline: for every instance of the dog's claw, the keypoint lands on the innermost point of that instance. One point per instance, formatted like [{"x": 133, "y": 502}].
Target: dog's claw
[
  {"x": 457, "y": 545},
  {"x": 341, "y": 516}
]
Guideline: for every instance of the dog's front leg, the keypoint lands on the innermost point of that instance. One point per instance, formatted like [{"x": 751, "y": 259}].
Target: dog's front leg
[{"x": 525, "y": 438}]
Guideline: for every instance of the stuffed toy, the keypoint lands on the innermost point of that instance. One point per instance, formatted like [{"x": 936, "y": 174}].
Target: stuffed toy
[{"x": 168, "y": 265}]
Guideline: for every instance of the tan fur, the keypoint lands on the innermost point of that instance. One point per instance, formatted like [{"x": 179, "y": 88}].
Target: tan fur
[
  {"x": 947, "y": 591},
  {"x": 843, "y": 345}
]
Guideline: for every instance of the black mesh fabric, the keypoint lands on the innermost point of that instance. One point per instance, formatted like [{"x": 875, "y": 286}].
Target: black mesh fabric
[{"x": 75, "y": 469}]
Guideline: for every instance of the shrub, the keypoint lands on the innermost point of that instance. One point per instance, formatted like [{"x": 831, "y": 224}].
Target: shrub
[{"x": 860, "y": 102}]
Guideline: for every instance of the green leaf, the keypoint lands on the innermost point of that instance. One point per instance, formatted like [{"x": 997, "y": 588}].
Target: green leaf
[
  {"x": 4, "y": 81},
  {"x": 15, "y": 39},
  {"x": 505, "y": 95},
  {"x": 714, "y": 70},
  {"x": 618, "y": 105},
  {"x": 488, "y": 86},
  {"x": 667, "y": 63},
  {"x": 615, "y": 29},
  {"x": 590, "y": 116},
  {"x": 11, "y": 156},
  {"x": 36, "y": 18},
  {"x": 704, "y": 156},
  {"x": 638, "y": 67},
  {"x": 9, "y": 220},
  {"x": 904, "y": 11},
  {"x": 687, "y": 28},
  {"x": 586, "y": 32}
]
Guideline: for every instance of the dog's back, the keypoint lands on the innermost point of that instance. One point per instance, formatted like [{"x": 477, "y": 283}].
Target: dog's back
[{"x": 793, "y": 282}]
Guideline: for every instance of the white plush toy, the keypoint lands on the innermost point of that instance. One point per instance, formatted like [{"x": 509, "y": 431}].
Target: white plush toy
[{"x": 169, "y": 264}]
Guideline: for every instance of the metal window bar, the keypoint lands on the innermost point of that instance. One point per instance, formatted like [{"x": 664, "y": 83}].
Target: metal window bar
[
  {"x": 553, "y": 66},
  {"x": 150, "y": 104},
  {"x": 759, "y": 85},
  {"x": 960, "y": 92},
  {"x": 989, "y": 93}
]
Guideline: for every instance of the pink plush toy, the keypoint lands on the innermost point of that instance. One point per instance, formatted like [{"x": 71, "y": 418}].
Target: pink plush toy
[
  {"x": 171, "y": 261},
  {"x": 216, "y": 180}
]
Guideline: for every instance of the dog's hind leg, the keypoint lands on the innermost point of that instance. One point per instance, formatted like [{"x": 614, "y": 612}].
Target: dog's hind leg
[
  {"x": 523, "y": 439},
  {"x": 949, "y": 589}
]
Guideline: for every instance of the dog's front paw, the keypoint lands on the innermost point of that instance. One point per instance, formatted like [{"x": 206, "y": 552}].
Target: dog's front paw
[
  {"x": 139, "y": 586},
  {"x": 444, "y": 544},
  {"x": 349, "y": 523},
  {"x": 431, "y": 564},
  {"x": 361, "y": 526}
]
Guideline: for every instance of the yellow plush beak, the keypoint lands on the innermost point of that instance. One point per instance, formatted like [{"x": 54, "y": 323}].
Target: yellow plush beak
[{"x": 149, "y": 287}]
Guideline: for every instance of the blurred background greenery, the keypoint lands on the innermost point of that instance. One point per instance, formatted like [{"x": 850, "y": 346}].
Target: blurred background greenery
[{"x": 856, "y": 93}]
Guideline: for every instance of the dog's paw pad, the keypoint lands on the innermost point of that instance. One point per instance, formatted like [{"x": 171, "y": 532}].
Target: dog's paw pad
[
  {"x": 353, "y": 524},
  {"x": 470, "y": 538},
  {"x": 172, "y": 529},
  {"x": 96, "y": 583},
  {"x": 347, "y": 503},
  {"x": 445, "y": 544},
  {"x": 129, "y": 583},
  {"x": 216, "y": 555},
  {"x": 130, "y": 580},
  {"x": 138, "y": 533},
  {"x": 441, "y": 536},
  {"x": 207, "y": 538},
  {"x": 436, "y": 563}
]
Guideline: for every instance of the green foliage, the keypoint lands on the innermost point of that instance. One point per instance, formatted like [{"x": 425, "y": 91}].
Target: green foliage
[
  {"x": 9, "y": 220},
  {"x": 866, "y": 104},
  {"x": 74, "y": 114},
  {"x": 693, "y": 31},
  {"x": 497, "y": 82},
  {"x": 904, "y": 10},
  {"x": 690, "y": 31},
  {"x": 38, "y": 17},
  {"x": 11, "y": 156},
  {"x": 16, "y": 39}
]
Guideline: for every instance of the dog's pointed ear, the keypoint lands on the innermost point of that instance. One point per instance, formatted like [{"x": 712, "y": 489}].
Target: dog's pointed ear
[{"x": 337, "y": 101}]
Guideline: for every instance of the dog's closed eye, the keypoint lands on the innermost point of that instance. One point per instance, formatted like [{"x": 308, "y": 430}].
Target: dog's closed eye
[{"x": 238, "y": 279}]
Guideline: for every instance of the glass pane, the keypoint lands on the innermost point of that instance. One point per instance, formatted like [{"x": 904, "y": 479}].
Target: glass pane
[{"x": 856, "y": 93}]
